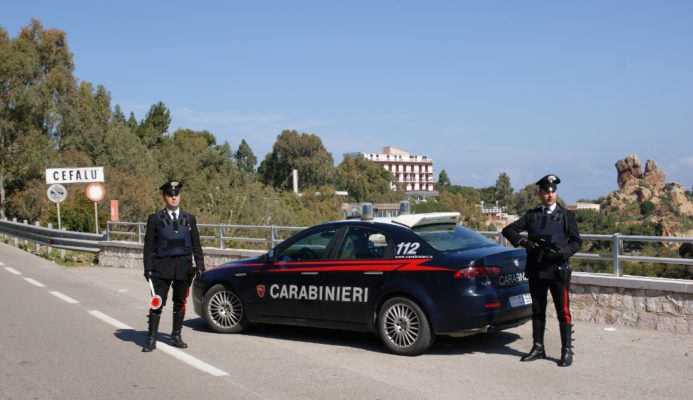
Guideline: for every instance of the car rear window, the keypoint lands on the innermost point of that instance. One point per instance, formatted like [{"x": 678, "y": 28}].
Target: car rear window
[{"x": 449, "y": 237}]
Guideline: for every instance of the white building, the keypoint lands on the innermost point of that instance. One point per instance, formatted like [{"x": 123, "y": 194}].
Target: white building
[{"x": 414, "y": 173}]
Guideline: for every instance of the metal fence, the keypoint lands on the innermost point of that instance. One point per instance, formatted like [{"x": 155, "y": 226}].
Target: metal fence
[
  {"x": 265, "y": 237},
  {"x": 617, "y": 256}
]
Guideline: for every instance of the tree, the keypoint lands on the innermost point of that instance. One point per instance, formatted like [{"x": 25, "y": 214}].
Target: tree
[
  {"x": 362, "y": 178},
  {"x": 152, "y": 130},
  {"x": 443, "y": 180},
  {"x": 245, "y": 159},
  {"x": 35, "y": 82},
  {"x": 303, "y": 152},
  {"x": 503, "y": 191}
]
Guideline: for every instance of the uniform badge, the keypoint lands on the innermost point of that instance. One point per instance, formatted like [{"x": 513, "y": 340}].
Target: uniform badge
[
  {"x": 516, "y": 262},
  {"x": 260, "y": 290}
]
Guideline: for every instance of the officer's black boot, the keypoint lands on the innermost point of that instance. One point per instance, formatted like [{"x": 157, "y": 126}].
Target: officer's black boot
[
  {"x": 177, "y": 326},
  {"x": 151, "y": 336},
  {"x": 538, "y": 346},
  {"x": 566, "y": 345}
]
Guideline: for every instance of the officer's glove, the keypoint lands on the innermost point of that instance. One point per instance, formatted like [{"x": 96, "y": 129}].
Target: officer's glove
[
  {"x": 528, "y": 244},
  {"x": 147, "y": 274},
  {"x": 199, "y": 271}
]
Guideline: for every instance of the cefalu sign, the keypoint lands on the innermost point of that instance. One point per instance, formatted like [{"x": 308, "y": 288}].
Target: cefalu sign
[{"x": 74, "y": 175}]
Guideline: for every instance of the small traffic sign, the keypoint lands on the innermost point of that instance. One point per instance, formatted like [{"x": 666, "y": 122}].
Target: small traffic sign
[{"x": 56, "y": 193}]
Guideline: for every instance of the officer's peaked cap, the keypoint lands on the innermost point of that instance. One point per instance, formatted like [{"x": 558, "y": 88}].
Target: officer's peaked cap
[
  {"x": 549, "y": 182},
  {"x": 171, "y": 188}
]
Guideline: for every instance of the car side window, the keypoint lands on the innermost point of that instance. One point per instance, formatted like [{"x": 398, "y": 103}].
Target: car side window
[
  {"x": 310, "y": 247},
  {"x": 364, "y": 243}
]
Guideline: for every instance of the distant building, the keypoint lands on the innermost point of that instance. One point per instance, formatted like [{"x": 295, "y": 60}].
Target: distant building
[
  {"x": 497, "y": 216},
  {"x": 583, "y": 206},
  {"x": 414, "y": 173},
  {"x": 353, "y": 210}
]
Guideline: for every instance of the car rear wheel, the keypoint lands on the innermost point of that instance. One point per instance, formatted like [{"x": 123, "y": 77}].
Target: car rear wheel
[
  {"x": 223, "y": 310},
  {"x": 403, "y": 327}
]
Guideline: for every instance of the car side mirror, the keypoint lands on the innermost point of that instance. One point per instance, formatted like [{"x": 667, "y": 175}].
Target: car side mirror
[{"x": 269, "y": 257}]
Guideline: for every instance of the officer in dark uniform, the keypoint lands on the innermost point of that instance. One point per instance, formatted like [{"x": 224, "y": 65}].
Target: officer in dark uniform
[
  {"x": 552, "y": 238},
  {"x": 170, "y": 244}
]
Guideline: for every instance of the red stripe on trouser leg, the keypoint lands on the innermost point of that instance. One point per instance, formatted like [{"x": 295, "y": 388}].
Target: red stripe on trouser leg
[
  {"x": 566, "y": 308},
  {"x": 185, "y": 299}
]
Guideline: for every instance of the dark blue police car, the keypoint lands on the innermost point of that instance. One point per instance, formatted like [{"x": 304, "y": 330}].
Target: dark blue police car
[{"x": 408, "y": 278}]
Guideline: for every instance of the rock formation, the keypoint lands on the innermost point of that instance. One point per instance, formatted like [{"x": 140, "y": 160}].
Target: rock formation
[{"x": 639, "y": 185}]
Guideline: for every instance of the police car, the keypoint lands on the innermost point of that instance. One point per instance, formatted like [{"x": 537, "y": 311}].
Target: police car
[{"x": 408, "y": 278}]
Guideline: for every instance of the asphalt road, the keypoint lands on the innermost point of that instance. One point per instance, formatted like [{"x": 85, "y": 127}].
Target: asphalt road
[{"x": 76, "y": 333}]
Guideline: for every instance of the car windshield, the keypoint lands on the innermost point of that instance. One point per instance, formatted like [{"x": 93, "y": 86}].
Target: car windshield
[{"x": 448, "y": 237}]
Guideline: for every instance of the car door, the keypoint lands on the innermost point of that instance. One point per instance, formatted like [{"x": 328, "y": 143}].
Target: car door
[
  {"x": 356, "y": 275},
  {"x": 287, "y": 287}
]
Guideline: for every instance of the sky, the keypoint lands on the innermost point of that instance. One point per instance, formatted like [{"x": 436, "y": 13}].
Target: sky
[{"x": 480, "y": 87}]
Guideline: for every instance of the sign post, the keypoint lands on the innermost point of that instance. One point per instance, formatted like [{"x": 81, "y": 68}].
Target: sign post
[
  {"x": 95, "y": 193},
  {"x": 57, "y": 194}
]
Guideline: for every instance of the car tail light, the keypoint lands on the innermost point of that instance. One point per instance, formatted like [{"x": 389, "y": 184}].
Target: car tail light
[{"x": 476, "y": 272}]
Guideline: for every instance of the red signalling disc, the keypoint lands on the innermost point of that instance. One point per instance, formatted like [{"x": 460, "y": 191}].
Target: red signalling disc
[{"x": 155, "y": 302}]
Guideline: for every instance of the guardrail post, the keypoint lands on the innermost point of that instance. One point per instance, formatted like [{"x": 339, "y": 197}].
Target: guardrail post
[
  {"x": 221, "y": 237},
  {"x": 62, "y": 251},
  {"x": 108, "y": 230},
  {"x": 139, "y": 232},
  {"x": 26, "y": 242},
  {"x": 49, "y": 249},
  {"x": 16, "y": 239},
  {"x": 38, "y": 245},
  {"x": 617, "y": 248},
  {"x": 273, "y": 236}
]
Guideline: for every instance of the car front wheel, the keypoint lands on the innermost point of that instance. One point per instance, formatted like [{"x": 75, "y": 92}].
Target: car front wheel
[
  {"x": 223, "y": 310},
  {"x": 403, "y": 327}
]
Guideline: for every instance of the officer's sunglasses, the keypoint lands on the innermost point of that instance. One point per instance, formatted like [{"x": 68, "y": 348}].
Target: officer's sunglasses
[{"x": 171, "y": 195}]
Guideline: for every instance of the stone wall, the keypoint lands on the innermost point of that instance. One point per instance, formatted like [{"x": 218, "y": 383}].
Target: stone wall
[
  {"x": 129, "y": 255},
  {"x": 650, "y": 303}
]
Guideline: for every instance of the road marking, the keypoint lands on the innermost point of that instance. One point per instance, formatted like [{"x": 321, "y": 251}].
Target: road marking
[
  {"x": 34, "y": 282},
  {"x": 14, "y": 271},
  {"x": 190, "y": 360},
  {"x": 122, "y": 290},
  {"x": 64, "y": 298},
  {"x": 172, "y": 351},
  {"x": 1, "y": 263}
]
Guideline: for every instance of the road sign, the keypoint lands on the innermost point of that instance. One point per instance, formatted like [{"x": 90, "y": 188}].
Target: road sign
[
  {"x": 95, "y": 192},
  {"x": 56, "y": 193},
  {"x": 74, "y": 175}
]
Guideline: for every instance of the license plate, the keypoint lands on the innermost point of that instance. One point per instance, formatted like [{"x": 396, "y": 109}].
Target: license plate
[{"x": 520, "y": 300}]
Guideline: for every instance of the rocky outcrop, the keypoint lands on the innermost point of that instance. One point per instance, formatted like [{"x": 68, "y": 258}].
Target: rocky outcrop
[{"x": 638, "y": 184}]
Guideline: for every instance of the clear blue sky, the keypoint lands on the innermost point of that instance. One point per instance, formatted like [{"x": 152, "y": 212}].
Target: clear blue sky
[{"x": 525, "y": 87}]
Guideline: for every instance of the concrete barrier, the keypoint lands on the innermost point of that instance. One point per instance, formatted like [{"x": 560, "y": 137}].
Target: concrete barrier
[{"x": 641, "y": 302}]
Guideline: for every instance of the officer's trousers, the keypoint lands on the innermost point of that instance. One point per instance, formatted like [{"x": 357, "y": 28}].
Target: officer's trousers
[
  {"x": 538, "y": 289},
  {"x": 181, "y": 289}
]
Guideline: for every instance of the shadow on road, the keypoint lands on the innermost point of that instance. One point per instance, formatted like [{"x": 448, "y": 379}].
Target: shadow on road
[
  {"x": 490, "y": 343},
  {"x": 138, "y": 338}
]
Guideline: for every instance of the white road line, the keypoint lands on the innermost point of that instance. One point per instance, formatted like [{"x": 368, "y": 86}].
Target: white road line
[
  {"x": 110, "y": 321},
  {"x": 190, "y": 360},
  {"x": 34, "y": 282},
  {"x": 64, "y": 298},
  {"x": 172, "y": 351},
  {"x": 14, "y": 271},
  {"x": 1, "y": 263},
  {"x": 122, "y": 290}
]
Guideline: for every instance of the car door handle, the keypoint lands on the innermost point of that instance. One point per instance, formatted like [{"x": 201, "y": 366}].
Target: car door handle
[
  {"x": 309, "y": 273},
  {"x": 373, "y": 273}
]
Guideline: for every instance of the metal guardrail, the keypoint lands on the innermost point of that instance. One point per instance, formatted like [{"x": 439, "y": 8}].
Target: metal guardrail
[
  {"x": 268, "y": 236},
  {"x": 617, "y": 257},
  {"x": 61, "y": 239},
  {"x": 223, "y": 233}
]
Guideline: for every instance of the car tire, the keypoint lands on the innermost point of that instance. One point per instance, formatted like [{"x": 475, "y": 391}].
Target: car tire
[
  {"x": 223, "y": 310},
  {"x": 403, "y": 327}
]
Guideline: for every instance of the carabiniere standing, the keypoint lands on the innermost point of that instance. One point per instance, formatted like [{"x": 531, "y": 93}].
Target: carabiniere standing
[
  {"x": 552, "y": 238},
  {"x": 170, "y": 244}
]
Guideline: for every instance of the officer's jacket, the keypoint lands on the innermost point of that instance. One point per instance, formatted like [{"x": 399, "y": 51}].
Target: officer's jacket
[
  {"x": 560, "y": 228},
  {"x": 169, "y": 247}
]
